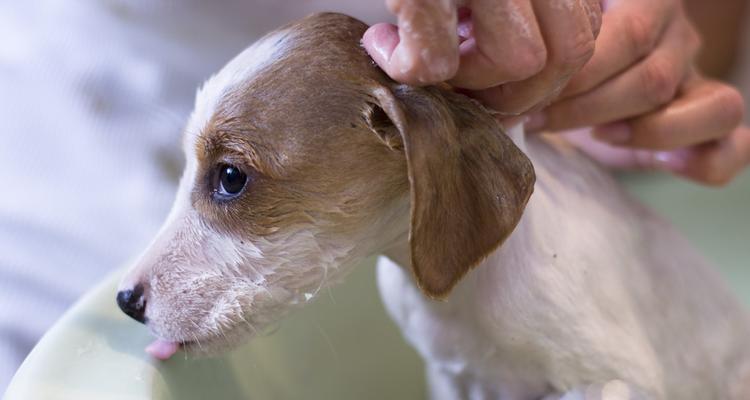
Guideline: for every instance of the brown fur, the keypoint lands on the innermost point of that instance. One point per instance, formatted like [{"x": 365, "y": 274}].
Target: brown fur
[
  {"x": 344, "y": 163},
  {"x": 335, "y": 153},
  {"x": 469, "y": 183}
]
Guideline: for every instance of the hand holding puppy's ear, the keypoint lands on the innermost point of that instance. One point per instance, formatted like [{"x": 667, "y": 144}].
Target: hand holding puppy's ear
[{"x": 469, "y": 182}]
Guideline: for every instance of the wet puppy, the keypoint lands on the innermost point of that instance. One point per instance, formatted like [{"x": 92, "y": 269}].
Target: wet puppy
[{"x": 303, "y": 158}]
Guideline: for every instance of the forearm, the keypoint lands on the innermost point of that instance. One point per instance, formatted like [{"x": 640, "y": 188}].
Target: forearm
[{"x": 721, "y": 27}]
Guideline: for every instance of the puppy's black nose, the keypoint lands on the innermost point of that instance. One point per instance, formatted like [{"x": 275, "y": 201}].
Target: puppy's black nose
[{"x": 133, "y": 303}]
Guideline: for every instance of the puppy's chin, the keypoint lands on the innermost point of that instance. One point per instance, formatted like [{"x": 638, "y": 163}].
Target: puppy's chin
[
  {"x": 197, "y": 348},
  {"x": 221, "y": 333},
  {"x": 217, "y": 346},
  {"x": 214, "y": 345}
]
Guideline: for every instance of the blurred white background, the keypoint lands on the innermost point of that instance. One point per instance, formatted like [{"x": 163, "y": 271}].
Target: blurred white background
[{"x": 93, "y": 97}]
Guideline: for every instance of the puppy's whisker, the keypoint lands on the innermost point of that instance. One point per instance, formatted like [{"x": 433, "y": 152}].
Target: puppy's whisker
[
  {"x": 185, "y": 351},
  {"x": 255, "y": 331},
  {"x": 330, "y": 295},
  {"x": 195, "y": 337},
  {"x": 268, "y": 292},
  {"x": 197, "y": 341},
  {"x": 328, "y": 341},
  {"x": 320, "y": 284},
  {"x": 221, "y": 332}
]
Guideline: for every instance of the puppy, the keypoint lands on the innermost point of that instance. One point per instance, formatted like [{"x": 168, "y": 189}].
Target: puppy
[{"x": 303, "y": 158}]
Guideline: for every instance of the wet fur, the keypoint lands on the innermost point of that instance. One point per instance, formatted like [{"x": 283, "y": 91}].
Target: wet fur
[{"x": 588, "y": 289}]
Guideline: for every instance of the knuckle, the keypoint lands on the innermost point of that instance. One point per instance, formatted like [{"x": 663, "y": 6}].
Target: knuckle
[
  {"x": 640, "y": 33},
  {"x": 594, "y": 11},
  {"x": 577, "y": 52},
  {"x": 406, "y": 74},
  {"x": 659, "y": 82},
  {"x": 419, "y": 71},
  {"x": 530, "y": 60}
]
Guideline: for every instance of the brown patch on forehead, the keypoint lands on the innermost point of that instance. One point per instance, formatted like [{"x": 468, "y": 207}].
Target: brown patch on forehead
[
  {"x": 216, "y": 144},
  {"x": 300, "y": 123},
  {"x": 318, "y": 81},
  {"x": 304, "y": 111}
]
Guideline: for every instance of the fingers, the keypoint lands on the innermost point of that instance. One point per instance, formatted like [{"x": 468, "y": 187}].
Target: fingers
[
  {"x": 500, "y": 42},
  {"x": 705, "y": 111},
  {"x": 715, "y": 163},
  {"x": 696, "y": 136},
  {"x": 424, "y": 47},
  {"x": 642, "y": 88},
  {"x": 569, "y": 36},
  {"x": 593, "y": 9},
  {"x": 506, "y": 45},
  {"x": 609, "y": 155},
  {"x": 631, "y": 29}
]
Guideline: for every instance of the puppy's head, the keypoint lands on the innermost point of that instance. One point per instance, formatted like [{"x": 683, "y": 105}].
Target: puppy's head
[{"x": 303, "y": 158}]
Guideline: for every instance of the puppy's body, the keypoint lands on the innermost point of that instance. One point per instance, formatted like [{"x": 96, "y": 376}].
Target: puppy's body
[
  {"x": 339, "y": 163},
  {"x": 590, "y": 287}
]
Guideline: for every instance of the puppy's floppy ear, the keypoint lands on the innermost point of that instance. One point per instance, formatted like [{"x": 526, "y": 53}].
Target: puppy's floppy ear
[{"x": 469, "y": 182}]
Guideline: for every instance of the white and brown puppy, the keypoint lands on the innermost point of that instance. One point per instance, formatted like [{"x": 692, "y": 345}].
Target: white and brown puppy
[{"x": 303, "y": 158}]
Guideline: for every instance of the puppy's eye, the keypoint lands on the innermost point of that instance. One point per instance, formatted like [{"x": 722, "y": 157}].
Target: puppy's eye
[{"x": 229, "y": 182}]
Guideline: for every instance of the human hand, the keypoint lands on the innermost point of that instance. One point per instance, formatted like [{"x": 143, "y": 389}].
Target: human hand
[
  {"x": 649, "y": 106},
  {"x": 513, "y": 54}
]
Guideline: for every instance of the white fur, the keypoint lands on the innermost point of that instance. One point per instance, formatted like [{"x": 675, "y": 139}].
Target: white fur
[
  {"x": 571, "y": 298},
  {"x": 239, "y": 70},
  {"x": 215, "y": 290},
  {"x": 567, "y": 301}
]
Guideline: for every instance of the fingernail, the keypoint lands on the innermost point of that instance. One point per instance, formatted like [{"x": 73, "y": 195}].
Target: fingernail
[
  {"x": 382, "y": 51},
  {"x": 617, "y": 133},
  {"x": 380, "y": 40},
  {"x": 670, "y": 160},
  {"x": 535, "y": 122}
]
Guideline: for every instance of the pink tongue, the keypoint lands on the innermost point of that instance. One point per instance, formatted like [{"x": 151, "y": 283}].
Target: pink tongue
[{"x": 162, "y": 349}]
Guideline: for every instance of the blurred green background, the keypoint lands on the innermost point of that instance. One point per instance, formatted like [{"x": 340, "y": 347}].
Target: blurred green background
[
  {"x": 346, "y": 347},
  {"x": 343, "y": 346}
]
